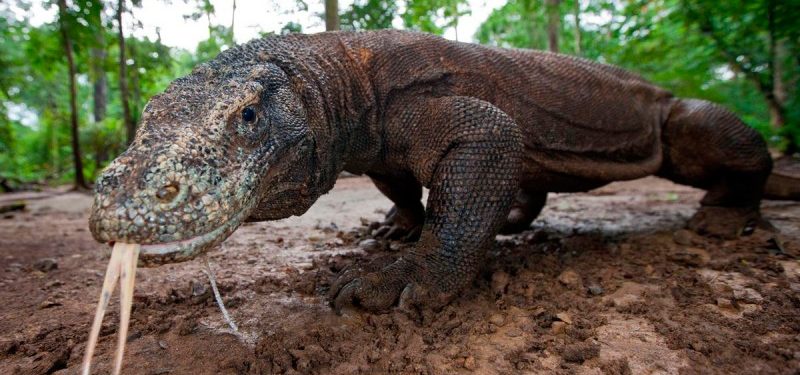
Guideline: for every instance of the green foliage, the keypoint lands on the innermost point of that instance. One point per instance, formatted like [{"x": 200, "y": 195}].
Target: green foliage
[
  {"x": 433, "y": 16},
  {"x": 730, "y": 52},
  {"x": 369, "y": 15},
  {"x": 708, "y": 49}
]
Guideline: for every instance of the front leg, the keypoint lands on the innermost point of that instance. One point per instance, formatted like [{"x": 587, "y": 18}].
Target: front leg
[{"x": 467, "y": 152}]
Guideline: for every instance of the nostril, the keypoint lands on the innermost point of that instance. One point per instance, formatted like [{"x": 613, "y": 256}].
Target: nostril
[{"x": 167, "y": 193}]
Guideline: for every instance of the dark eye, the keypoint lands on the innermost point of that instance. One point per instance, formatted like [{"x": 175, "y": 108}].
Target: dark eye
[{"x": 248, "y": 114}]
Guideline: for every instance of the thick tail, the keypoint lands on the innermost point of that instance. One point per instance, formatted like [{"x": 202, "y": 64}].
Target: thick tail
[{"x": 784, "y": 182}]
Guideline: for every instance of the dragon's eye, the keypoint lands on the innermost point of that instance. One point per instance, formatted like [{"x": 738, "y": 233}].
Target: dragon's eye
[{"x": 248, "y": 114}]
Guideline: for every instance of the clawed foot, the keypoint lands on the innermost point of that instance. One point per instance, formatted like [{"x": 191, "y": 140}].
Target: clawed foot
[
  {"x": 727, "y": 222},
  {"x": 401, "y": 224},
  {"x": 405, "y": 283}
]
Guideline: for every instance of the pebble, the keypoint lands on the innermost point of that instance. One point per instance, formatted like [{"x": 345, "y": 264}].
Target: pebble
[
  {"x": 595, "y": 289},
  {"x": 514, "y": 332},
  {"x": 497, "y": 319},
  {"x": 500, "y": 281},
  {"x": 558, "y": 327},
  {"x": 691, "y": 256},
  {"x": 469, "y": 363},
  {"x": 370, "y": 244},
  {"x": 53, "y": 284},
  {"x": 48, "y": 303},
  {"x": 45, "y": 265},
  {"x": 747, "y": 295},
  {"x": 14, "y": 267},
  {"x": 198, "y": 288},
  {"x": 725, "y": 303},
  {"x": 570, "y": 279},
  {"x": 564, "y": 317},
  {"x": 162, "y": 344}
]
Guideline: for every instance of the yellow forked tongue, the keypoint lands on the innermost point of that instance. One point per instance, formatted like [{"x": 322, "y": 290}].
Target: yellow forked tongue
[{"x": 122, "y": 267}]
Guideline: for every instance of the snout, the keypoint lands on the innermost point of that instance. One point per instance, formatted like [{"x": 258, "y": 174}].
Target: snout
[{"x": 152, "y": 206}]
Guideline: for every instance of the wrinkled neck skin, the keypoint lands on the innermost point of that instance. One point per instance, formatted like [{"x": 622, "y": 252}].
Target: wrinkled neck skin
[{"x": 341, "y": 111}]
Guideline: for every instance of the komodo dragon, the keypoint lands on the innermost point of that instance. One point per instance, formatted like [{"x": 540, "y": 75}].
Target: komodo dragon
[{"x": 264, "y": 129}]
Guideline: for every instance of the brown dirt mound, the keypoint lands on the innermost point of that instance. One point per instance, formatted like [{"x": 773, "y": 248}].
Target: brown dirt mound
[{"x": 606, "y": 282}]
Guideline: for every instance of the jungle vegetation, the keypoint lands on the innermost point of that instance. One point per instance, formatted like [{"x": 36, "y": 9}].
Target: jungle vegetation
[{"x": 72, "y": 90}]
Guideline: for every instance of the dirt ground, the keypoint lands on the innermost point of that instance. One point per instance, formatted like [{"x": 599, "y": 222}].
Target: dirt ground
[{"x": 605, "y": 282}]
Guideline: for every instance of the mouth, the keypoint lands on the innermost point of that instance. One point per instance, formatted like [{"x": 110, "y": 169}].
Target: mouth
[{"x": 156, "y": 254}]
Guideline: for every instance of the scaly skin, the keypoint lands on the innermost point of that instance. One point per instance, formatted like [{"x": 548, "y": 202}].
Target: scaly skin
[{"x": 263, "y": 130}]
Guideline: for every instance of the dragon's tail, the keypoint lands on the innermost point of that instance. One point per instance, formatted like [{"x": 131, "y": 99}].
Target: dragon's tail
[{"x": 784, "y": 182}]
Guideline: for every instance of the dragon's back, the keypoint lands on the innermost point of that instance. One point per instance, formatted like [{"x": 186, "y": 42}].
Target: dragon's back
[{"x": 572, "y": 111}]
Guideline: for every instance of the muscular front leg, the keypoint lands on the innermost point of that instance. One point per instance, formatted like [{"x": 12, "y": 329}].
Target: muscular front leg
[
  {"x": 404, "y": 221},
  {"x": 468, "y": 153}
]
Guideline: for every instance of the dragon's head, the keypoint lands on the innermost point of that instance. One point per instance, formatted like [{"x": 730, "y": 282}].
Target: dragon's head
[{"x": 218, "y": 147}]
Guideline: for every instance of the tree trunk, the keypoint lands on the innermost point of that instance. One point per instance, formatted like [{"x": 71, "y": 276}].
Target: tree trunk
[
  {"x": 130, "y": 126},
  {"x": 553, "y": 24},
  {"x": 80, "y": 182},
  {"x": 135, "y": 87},
  {"x": 100, "y": 80},
  {"x": 577, "y": 13},
  {"x": 777, "y": 97},
  {"x": 233, "y": 21},
  {"x": 331, "y": 15}
]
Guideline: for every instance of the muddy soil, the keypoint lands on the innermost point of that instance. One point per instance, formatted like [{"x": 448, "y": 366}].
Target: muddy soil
[{"x": 605, "y": 282}]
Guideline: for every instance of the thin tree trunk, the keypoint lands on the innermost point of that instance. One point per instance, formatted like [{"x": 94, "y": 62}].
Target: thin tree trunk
[
  {"x": 331, "y": 15},
  {"x": 776, "y": 99},
  {"x": 80, "y": 182},
  {"x": 130, "y": 126},
  {"x": 577, "y": 13},
  {"x": 233, "y": 20},
  {"x": 100, "y": 84},
  {"x": 553, "y": 24},
  {"x": 100, "y": 80},
  {"x": 135, "y": 87}
]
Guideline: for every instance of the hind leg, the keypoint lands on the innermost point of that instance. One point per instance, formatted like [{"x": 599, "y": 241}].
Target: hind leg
[
  {"x": 526, "y": 207},
  {"x": 708, "y": 147}
]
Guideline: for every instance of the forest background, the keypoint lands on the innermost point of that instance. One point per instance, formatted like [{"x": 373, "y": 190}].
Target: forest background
[{"x": 72, "y": 87}]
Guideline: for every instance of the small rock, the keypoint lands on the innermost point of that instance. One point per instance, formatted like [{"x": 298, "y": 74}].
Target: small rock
[
  {"x": 682, "y": 237},
  {"x": 570, "y": 279},
  {"x": 558, "y": 327},
  {"x": 497, "y": 319},
  {"x": 53, "y": 284},
  {"x": 500, "y": 282},
  {"x": 48, "y": 303},
  {"x": 514, "y": 332},
  {"x": 45, "y": 265},
  {"x": 369, "y": 245},
  {"x": 395, "y": 246},
  {"x": 14, "y": 267},
  {"x": 162, "y": 344},
  {"x": 725, "y": 303},
  {"x": 747, "y": 295},
  {"x": 198, "y": 288},
  {"x": 580, "y": 352},
  {"x": 469, "y": 363},
  {"x": 691, "y": 256},
  {"x": 564, "y": 317},
  {"x": 595, "y": 289}
]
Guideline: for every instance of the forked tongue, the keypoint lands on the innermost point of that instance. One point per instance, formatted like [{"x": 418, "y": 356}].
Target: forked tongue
[{"x": 122, "y": 267}]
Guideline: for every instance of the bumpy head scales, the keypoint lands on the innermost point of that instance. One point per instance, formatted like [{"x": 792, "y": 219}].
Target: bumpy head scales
[{"x": 203, "y": 160}]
